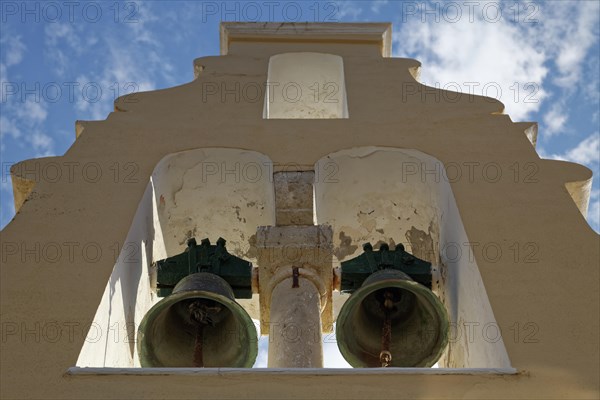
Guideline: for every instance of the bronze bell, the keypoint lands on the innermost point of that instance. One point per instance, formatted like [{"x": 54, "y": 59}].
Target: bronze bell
[
  {"x": 392, "y": 321},
  {"x": 198, "y": 325}
]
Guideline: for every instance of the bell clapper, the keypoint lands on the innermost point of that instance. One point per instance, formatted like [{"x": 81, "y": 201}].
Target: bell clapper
[
  {"x": 201, "y": 315},
  {"x": 198, "y": 357},
  {"x": 385, "y": 357}
]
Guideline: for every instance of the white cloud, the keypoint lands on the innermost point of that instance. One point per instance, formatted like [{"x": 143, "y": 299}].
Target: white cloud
[
  {"x": 571, "y": 29},
  {"x": 97, "y": 102},
  {"x": 6, "y": 182},
  {"x": 587, "y": 152},
  {"x": 12, "y": 55},
  {"x": 554, "y": 120},
  {"x": 144, "y": 15},
  {"x": 80, "y": 103},
  {"x": 4, "y": 92},
  {"x": 9, "y": 127},
  {"x": 62, "y": 39},
  {"x": 125, "y": 68},
  {"x": 14, "y": 49},
  {"x": 479, "y": 57},
  {"x": 122, "y": 73},
  {"x": 31, "y": 112},
  {"x": 591, "y": 83},
  {"x": 43, "y": 144},
  {"x": 377, "y": 4},
  {"x": 347, "y": 9},
  {"x": 24, "y": 121},
  {"x": 508, "y": 53},
  {"x": 58, "y": 32}
]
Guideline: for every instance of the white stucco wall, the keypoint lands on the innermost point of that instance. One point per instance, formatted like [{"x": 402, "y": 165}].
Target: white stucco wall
[{"x": 111, "y": 339}]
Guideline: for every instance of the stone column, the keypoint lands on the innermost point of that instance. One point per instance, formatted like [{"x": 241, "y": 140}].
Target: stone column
[
  {"x": 295, "y": 286},
  {"x": 295, "y": 276},
  {"x": 295, "y": 337}
]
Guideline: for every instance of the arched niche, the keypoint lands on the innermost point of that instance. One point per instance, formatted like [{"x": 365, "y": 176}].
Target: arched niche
[
  {"x": 305, "y": 85},
  {"x": 210, "y": 192},
  {"x": 379, "y": 194},
  {"x": 222, "y": 192}
]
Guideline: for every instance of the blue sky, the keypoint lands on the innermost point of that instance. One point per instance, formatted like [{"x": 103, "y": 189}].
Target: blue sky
[
  {"x": 64, "y": 61},
  {"x": 67, "y": 61}
]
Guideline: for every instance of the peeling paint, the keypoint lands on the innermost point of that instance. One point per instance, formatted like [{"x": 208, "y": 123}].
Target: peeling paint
[
  {"x": 345, "y": 247},
  {"x": 377, "y": 245},
  {"x": 421, "y": 244},
  {"x": 237, "y": 214},
  {"x": 252, "y": 250},
  {"x": 191, "y": 233}
]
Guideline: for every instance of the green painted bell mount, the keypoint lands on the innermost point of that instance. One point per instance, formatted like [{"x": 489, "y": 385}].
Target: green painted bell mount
[
  {"x": 205, "y": 257},
  {"x": 358, "y": 269}
]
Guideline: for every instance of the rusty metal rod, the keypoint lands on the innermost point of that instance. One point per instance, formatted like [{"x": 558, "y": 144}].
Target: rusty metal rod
[
  {"x": 295, "y": 276},
  {"x": 198, "y": 356},
  {"x": 385, "y": 357},
  {"x": 200, "y": 316}
]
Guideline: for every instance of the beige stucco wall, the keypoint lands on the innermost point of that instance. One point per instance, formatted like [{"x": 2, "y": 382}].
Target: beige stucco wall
[{"x": 545, "y": 297}]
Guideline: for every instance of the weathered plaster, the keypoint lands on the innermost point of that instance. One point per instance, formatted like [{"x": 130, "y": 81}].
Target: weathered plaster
[{"x": 305, "y": 85}]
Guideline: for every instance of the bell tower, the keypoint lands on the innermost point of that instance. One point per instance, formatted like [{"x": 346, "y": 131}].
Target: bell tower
[{"x": 307, "y": 181}]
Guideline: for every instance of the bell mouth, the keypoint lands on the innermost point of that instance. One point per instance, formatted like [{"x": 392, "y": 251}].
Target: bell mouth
[
  {"x": 168, "y": 333},
  {"x": 419, "y": 323}
]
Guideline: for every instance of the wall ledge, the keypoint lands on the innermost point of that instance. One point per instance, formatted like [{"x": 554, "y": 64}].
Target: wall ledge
[{"x": 79, "y": 371}]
